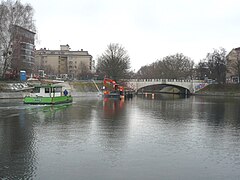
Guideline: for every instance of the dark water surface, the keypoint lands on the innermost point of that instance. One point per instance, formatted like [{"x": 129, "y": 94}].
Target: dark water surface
[{"x": 167, "y": 138}]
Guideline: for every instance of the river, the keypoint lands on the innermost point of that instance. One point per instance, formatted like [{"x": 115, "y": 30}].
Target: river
[{"x": 142, "y": 138}]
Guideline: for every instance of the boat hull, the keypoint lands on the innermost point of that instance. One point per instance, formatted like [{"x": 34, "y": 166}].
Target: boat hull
[
  {"x": 47, "y": 100},
  {"x": 113, "y": 95}
]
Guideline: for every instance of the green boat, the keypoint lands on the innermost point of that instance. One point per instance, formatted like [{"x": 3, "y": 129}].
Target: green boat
[{"x": 48, "y": 94}]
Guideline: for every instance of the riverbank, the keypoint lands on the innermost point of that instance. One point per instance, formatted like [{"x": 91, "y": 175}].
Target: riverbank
[
  {"x": 220, "y": 90},
  {"x": 18, "y": 90}
]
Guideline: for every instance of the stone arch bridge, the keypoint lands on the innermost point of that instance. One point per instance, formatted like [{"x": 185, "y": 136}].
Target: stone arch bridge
[{"x": 190, "y": 86}]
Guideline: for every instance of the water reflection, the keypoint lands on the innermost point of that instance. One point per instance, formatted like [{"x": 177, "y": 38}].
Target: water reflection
[
  {"x": 170, "y": 108},
  {"x": 218, "y": 118},
  {"x": 18, "y": 148},
  {"x": 47, "y": 113},
  {"x": 17, "y": 144},
  {"x": 207, "y": 126},
  {"x": 217, "y": 111},
  {"x": 112, "y": 108},
  {"x": 163, "y": 96},
  {"x": 113, "y": 127},
  {"x": 96, "y": 138}
]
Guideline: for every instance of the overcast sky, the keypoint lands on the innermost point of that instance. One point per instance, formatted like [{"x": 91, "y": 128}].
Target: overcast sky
[{"x": 148, "y": 29}]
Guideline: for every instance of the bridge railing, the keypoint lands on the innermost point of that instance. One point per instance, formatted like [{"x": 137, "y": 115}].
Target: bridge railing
[{"x": 164, "y": 80}]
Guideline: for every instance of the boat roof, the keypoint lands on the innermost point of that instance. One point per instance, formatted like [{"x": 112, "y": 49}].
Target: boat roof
[{"x": 48, "y": 86}]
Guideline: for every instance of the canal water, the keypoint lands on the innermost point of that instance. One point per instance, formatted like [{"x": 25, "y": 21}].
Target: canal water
[{"x": 142, "y": 138}]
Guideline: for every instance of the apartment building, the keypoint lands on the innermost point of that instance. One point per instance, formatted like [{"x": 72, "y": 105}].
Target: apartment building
[
  {"x": 233, "y": 66},
  {"x": 23, "y": 50},
  {"x": 64, "y": 62}
]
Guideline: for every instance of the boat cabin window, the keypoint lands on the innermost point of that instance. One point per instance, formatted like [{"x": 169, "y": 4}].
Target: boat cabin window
[
  {"x": 53, "y": 89},
  {"x": 58, "y": 89},
  {"x": 36, "y": 90},
  {"x": 47, "y": 90}
]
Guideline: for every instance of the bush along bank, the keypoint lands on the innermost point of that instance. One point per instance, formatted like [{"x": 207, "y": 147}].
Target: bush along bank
[{"x": 220, "y": 90}]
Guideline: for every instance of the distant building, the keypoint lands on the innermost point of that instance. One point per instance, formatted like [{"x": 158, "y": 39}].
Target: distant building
[
  {"x": 23, "y": 50},
  {"x": 233, "y": 66},
  {"x": 1, "y": 60},
  {"x": 64, "y": 62}
]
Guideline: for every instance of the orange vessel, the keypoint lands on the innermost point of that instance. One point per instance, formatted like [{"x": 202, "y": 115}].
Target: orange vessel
[{"x": 112, "y": 90}]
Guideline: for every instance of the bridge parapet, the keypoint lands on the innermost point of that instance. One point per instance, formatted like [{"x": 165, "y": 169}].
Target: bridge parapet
[
  {"x": 164, "y": 80},
  {"x": 191, "y": 85}
]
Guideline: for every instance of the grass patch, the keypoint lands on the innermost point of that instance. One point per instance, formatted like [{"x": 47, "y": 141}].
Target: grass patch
[
  {"x": 221, "y": 89},
  {"x": 85, "y": 86}
]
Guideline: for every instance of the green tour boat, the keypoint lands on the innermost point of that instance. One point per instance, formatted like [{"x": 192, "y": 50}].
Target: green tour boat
[{"x": 48, "y": 94}]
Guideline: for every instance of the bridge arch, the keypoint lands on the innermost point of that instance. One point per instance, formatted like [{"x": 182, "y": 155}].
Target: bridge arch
[
  {"x": 191, "y": 85},
  {"x": 163, "y": 88}
]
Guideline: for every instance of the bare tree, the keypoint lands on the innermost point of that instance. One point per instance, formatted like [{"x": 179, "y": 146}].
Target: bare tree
[
  {"x": 114, "y": 62},
  {"x": 147, "y": 72},
  {"x": 217, "y": 65},
  {"x": 202, "y": 70},
  {"x": 12, "y": 13},
  {"x": 83, "y": 71},
  {"x": 177, "y": 66}
]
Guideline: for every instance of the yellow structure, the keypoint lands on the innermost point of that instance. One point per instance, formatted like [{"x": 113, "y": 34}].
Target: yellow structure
[{"x": 63, "y": 62}]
